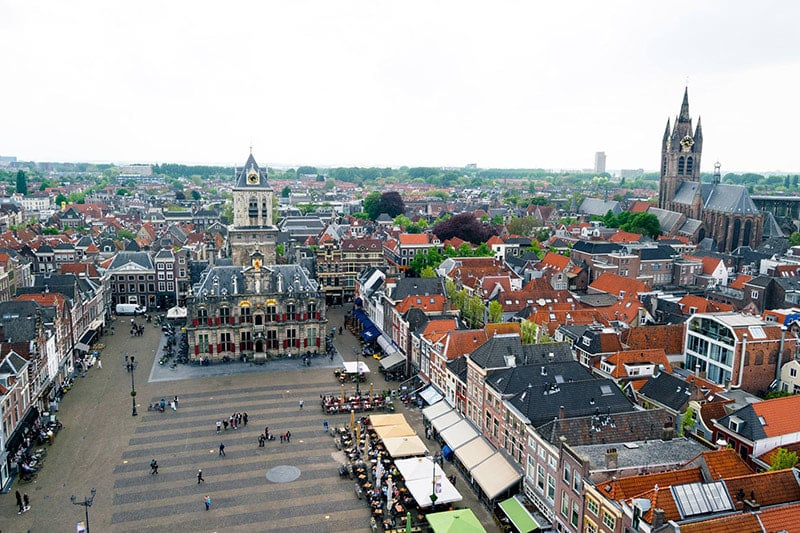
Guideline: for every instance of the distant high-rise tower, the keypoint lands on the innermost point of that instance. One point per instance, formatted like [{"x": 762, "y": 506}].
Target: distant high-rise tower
[{"x": 599, "y": 162}]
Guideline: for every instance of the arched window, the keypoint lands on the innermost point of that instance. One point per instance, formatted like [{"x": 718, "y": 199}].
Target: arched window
[
  {"x": 737, "y": 227},
  {"x": 748, "y": 229},
  {"x": 664, "y": 166},
  {"x": 689, "y": 165},
  {"x": 681, "y": 164},
  {"x": 252, "y": 210},
  {"x": 264, "y": 209}
]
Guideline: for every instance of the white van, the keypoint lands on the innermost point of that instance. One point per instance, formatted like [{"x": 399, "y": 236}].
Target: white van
[{"x": 130, "y": 309}]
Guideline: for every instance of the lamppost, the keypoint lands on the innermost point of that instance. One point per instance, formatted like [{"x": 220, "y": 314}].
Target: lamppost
[
  {"x": 358, "y": 372},
  {"x": 87, "y": 502},
  {"x": 132, "y": 367}
]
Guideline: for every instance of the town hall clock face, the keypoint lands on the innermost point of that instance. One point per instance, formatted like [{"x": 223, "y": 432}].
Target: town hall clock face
[{"x": 252, "y": 178}]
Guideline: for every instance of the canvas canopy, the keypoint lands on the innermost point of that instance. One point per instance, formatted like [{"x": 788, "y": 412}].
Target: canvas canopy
[
  {"x": 419, "y": 474},
  {"x": 387, "y": 420},
  {"x": 519, "y": 515},
  {"x": 458, "y": 434},
  {"x": 387, "y": 363},
  {"x": 436, "y": 410},
  {"x": 474, "y": 453},
  {"x": 430, "y": 395},
  {"x": 387, "y": 345},
  {"x": 356, "y": 367},
  {"x": 457, "y": 521},
  {"x": 494, "y": 475},
  {"x": 409, "y": 446},
  {"x": 397, "y": 430},
  {"x": 445, "y": 421}
]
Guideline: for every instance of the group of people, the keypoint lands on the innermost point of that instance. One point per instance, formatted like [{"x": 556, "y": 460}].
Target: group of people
[
  {"x": 136, "y": 329},
  {"x": 235, "y": 421},
  {"x": 23, "y": 502}
]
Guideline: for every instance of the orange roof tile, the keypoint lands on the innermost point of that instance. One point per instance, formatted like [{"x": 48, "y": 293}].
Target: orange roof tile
[
  {"x": 781, "y": 518},
  {"x": 632, "y": 486},
  {"x": 627, "y": 357},
  {"x": 639, "y": 207},
  {"x": 778, "y": 414},
  {"x": 624, "y": 236},
  {"x": 494, "y": 239},
  {"x": 428, "y": 304},
  {"x": 724, "y": 463},
  {"x": 555, "y": 261},
  {"x": 702, "y": 305},
  {"x": 669, "y": 337},
  {"x": 413, "y": 239},
  {"x": 502, "y": 328},
  {"x": 463, "y": 341},
  {"x": 740, "y": 523},
  {"x": 616, "y": 285},
  {"x": 739, "y": 282},
  {"x": 768, "y": 488}
]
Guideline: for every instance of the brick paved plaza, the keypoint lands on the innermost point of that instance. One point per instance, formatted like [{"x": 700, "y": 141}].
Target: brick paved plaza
[{"x": 103, "y": 446}]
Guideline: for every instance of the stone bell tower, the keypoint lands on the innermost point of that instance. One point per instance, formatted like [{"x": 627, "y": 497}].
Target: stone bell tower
[{"x": 252, "y": 227}]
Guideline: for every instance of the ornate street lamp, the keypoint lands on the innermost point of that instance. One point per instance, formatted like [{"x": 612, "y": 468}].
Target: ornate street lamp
[{"x": 87, "y": 502}]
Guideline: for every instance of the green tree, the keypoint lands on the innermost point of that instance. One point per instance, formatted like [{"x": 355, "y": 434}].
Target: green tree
[
  {"x": 432, "y": 258},
  {"x": 495, "y": 312},
  {"x": 483, "y": 250},
  {"x": 126, "y": 234},
  {"x": 279, "y": 250},
  {"x": 286, "y": 191},
  {"x": 227, "y": 214},
  {"x": 76, "y": 198},
  {"x": 427, "y": 272},
  {"x": 195, "y": 194},
  {"x": 521, "y": 226},
  {"x": 528, "y": 332},
  {"x": 61, "y": 199},
  {"x": 794, "y": 239},
  {"x": 22, "y": 183},
  {"x": 372, "y": 204},
  {"x": 180, "y": 195},
  {"x": 688, "y": 422},
  {"x": 783, "y": 459},
  {"x": 51, "y": 230},
  {"x": 497, "y": 220}
]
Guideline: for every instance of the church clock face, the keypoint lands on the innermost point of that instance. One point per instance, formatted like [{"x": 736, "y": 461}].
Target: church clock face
[{"x": 252, "y": 178}]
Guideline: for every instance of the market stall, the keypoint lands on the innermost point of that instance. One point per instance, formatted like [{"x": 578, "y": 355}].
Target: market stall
[{"x": 407, "y": 446}]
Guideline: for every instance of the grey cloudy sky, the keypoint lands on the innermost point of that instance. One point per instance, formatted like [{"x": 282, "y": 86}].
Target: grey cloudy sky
[{"x": 320, "y": 82}]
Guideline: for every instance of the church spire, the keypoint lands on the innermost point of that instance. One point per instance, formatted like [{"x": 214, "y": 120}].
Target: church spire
[
  {"x": 666, "y": 134},
  {"x": 684, "y": 115},
  {"x": 698, "y": 132}
]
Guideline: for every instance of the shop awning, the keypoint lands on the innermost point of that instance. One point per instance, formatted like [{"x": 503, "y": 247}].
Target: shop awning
[
  {"x": 408, "y": 446},
  {"x": 458, "y": 434},
  {"x": 387, "y": 363},
  {"x": 474, "y": 453},
  {"x": 419, "y": 474},
  {"x": 495, "y": 475},
  {"x": 370, "y": 333},
  {"x": 430, "y": 395},
  {"x": 397, "y": 430},
  {"x": 436, "y": 410},
  {"x": 445, "y": 421},
  {"x": 387, "y": 345},
  {"x": 85, "y": 343},
  {"x": 519, "y": 515},
  {"x": 176, "y": 312}
]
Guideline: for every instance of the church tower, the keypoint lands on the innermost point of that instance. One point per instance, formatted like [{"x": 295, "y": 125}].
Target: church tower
[
  {"x": 681, "y": 149},
  {"x": 252, "y": 228}
]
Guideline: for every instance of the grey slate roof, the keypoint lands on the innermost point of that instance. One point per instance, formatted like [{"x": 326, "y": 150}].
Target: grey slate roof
[
  {"x": 18, "y": 321},
  {"x": 727, "y": 198},
  {"x": 607, "y": 429},
  {"x": 458, "y": 367},
  {"x": 660, "y": 252},
  {"x": 596, "y": 247},
  {"x": 644, "y": 453},
  {"x": 219, "y": 280},
  {"x": 251, "y": 166},
  {"x": 579, "y": 398},
  {"x": 598, "y": 207},
  {"x": 668, "y": 390},
  {"x": 495, "y": 352},
  {"x": 668, "y": 220},
  {"x": 137, "y": 260},
  {"x": 511, "y": 381},
  {"x": 751, "y": 429},
  {"x": 417, "y": 287},
  {"x": 690, "y": 227}
]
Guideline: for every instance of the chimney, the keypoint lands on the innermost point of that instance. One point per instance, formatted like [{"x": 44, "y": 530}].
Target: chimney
[
  {"x": 658, "y": 519},
  {"x": 561, "y": 413},
  {"x": 750, "y": 506},
  {"x": 667, "y": 432},
  {"x": 611, "y": 459}
]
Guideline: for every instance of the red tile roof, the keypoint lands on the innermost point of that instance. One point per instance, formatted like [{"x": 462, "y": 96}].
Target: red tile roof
[
  {"x": 779, "y": 415},
  {"x": 669, "y": 337},
  {"x": 556, "y": 262},
  {"x": 616, "y": 285},
  {"x": 414, "y": 239},
  {"x": 781, "y": 518},
  {"x": 723, "y": 464},
  {"x": 463, "y": 341},
  {"x": 739, "y": 282},
  {"x": 428, "y": 304},
  {"x": 633, "y": 486},
  {"x": 739, "y": 523},
  {"x": 767, "y": 488},
  {"x": 627, "y": 357},
  {"x": 639, "y": 207},
  {"x": 624, "y": 237},
  {"x": 702, "y": 305}
]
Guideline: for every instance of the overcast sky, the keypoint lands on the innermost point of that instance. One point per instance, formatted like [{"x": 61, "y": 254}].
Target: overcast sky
[{"x": 501, "y": 84}]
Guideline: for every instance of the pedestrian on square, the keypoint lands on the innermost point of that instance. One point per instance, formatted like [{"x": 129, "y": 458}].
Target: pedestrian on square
[
  {"x": 99, "y": 364},
  {"x": 325, "y": 425},
  {"x": 219, "y": 425},
  {"x": 19, "y": 502},
  {"x": 282, "y": 437},
  {"x": 153, "y": 467},
  {"x": 27, "y": 502},
  {"x": 207, "y": 501},
  {"x": 288, "y": 436},
  {"x": 176, "y": 400},
  {"x": 244, "y": 419},
  {"x": 222, "y": 449},
  {"x": 301, "y": 405},
  {"x": 172, "y": 405},
  {"x": 266, "y": 431},
  {"x": 200, "y": 477},
  {"x": 225, "y": 425}
]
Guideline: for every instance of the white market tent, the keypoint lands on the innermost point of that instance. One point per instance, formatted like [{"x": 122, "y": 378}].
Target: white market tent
[
  {"x": 176, "y": 312},
  {"x": 445, "y": 421},
  {"x": 408, "y": 446},
  {"x": 419, "y": 474},
  {"x": 458, "y": 434},
  {"x": 356, "y": 367},
  {"x": 436, "y": 410},
  {"x": 494, "y": 475},
  {"x": 474, "y": 453}
]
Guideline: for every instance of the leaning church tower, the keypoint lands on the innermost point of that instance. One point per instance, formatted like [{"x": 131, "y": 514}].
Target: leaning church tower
[{"x": 681, "y": 149}]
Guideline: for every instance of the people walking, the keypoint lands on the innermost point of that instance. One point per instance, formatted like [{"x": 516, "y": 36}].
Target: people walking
[
  {"x": 99, "y": 363},
  {"x": 219, "y": 425},
  {"x": 19, "y": 502},
  {"x": 176, "y": 400},
  {"x": 244, "y": 419},
  {"x": 301, "y": 405},
  {"x": 200, "y": 477},
  {"x": 153, "y": 467},
  {"x": 172, "y": 405},
  {"x": 288, "y": 436},
  {"x": 207, "y": 501},
  {"x": 282, "y": 437},
  {"x": 325, "y": 425},
  {"x": 26, "y": 501},
  {"x": 222, "y": 449}
]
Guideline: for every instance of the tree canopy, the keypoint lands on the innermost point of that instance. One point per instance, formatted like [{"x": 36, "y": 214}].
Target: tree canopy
[
  {"x": 22, "y": 183},
  {"x": 643, "y": 223},
  {"x": 783, "y": 459},
  {"x": 466, "y": 227},
  {"x": 388, "y": 202}
]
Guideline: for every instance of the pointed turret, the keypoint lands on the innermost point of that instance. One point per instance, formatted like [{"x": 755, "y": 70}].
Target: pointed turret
[
  {"x": 698, "y": 132},
  {"x": 666, "y": 135},
  {"x": 684, "y": 115}
]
